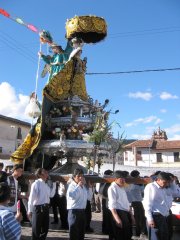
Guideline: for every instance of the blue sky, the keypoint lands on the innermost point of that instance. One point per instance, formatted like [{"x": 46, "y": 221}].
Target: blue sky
[{"x": 141, "y": 35}]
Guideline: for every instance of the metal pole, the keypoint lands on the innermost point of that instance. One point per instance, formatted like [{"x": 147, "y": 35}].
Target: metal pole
[
  {"x": 43, "y": 161},
  {"x": 114, "y": 158},
  {"x": 149, "y": 157},
  {"x": 95, "y": 156}
]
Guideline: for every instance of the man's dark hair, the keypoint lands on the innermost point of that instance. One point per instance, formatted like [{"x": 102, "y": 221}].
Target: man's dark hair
[
  {"x": 1, "y": 164},
  {"x": 78, "y": 171},
  {"x": 163, "y": 176},
  {"x": 156, "y": 173},
  {"x": 135, "y": 173},
  {"x": 17, "y": 166},
  {"x": 120, "y": 174},
  {"x": 108, "y": 172},
  {"x": 38, "y": 172},
  {"x": 170, "y": 175},
  {"x": 5, "y": 192},
  {"x": 126, "y": 173}
]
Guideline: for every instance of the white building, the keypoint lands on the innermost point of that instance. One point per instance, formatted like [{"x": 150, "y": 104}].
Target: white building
[
  {"x": 155, "y": 152},
  {"x": 12, "y": 134}
]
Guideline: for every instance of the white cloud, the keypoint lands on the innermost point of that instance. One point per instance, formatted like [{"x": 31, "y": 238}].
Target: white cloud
[
  {"x": 175, "y": 137},
  {"x": 142, "y": 95},
  {"x": 163, "y": 110},
  {"x": 146, "y": 120},
  {"x": 141, "y": 136},
  {"x": 166, "y": 96},
  {"x": 11, "y": 103},
  {"x": 173, "y": 129}
]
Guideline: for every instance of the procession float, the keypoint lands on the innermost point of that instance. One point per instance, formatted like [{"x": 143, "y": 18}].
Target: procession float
[{"x": 71, "y": 125}]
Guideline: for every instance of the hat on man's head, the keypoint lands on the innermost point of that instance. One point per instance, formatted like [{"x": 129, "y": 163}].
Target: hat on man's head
[
  {"x": 119, "y": 174},
  {"x": 135, "y": 173}
]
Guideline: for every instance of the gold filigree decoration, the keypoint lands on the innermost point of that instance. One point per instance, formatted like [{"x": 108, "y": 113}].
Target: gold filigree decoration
[
  {"x": 65, "y": 84},
  {"x": 28, "y": 146},
  {"x": 85, "y": 24}
]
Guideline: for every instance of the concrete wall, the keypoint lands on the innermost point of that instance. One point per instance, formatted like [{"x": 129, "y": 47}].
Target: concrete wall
[
  {"x": 8, "y": 136},
  {"x": 149, "y": 158},
  {"x": 145, "y": 171}
]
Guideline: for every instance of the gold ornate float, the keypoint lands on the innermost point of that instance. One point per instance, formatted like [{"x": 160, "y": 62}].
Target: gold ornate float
[{"x": 91, "y": 29}]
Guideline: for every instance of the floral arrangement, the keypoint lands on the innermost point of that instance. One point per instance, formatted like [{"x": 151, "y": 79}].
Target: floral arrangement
[
  {"x": 69, "y": 132},
  {"x": 89, "y": 161},
  {"x": 63, "y": 111}
]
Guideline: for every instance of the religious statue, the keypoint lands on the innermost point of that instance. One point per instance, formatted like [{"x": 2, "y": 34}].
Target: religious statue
[{"x": 66, "y": 107}]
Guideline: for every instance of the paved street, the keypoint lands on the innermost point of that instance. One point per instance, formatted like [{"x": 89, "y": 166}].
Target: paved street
[{"x": 57, "y": 234}]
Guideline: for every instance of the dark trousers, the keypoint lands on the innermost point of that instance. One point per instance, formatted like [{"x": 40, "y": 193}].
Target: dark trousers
[
  {"x": 161, "y": 224},
  {"x": 77, "y": 224},
  {"x": 40, "y": 222},
  {"x": 106, "y": 223},
  {"x": 23, "y": 211},
  {"x": 170, "y": 224},
  {"x": 88, "y": 214},
  {"x": 53, "y": 203},
  {"x": 139, "y": 218},
  {"x": 62, "y": 206},
  {"x": 60, "y": 203},
  {"x": 124, "y": 232}
]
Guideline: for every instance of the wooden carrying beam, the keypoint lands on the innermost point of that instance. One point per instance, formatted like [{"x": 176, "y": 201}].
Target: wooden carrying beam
[{"x": 90, "y": 178}]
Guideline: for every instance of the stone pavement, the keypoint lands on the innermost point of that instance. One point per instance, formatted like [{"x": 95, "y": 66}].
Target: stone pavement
[{"x": 57, "y": 234}]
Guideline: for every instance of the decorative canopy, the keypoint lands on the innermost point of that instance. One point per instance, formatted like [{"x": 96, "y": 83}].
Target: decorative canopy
[{"x": 90, "y": 29}]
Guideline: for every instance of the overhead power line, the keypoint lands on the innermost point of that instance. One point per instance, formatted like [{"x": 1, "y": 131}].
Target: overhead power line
[
  {"x": 144, "y": 32},
  {"x": 134, "y": 71},
  {"x": 16, "y": 46}
]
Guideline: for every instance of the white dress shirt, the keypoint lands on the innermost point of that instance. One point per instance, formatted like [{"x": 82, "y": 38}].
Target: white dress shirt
[
  {"x": 172, "y": 192},
  {"x": 136, "y": 192},
  {"x": 90, "y": 193},
  {"x": 117, "y": 198},
  {"x": 40, "y": 193},
  {"x": 76, "y": 196},
  {"x": 155, "y": 200}
]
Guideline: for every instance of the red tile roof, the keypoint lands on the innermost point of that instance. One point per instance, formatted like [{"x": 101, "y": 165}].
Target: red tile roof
[
  {"x": 140, "y": 143},
  {"x": 168, "y": 144},
  {"x": 155, "y": 144}
]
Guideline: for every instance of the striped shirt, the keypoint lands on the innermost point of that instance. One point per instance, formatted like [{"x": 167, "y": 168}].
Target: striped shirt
[{"x": 10, "y": 229}]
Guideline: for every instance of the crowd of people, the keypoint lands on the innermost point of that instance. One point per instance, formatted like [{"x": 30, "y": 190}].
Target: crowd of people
[{"x": 129, "y": 211}]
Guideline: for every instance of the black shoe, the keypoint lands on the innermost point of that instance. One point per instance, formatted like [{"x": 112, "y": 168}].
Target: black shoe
[
  {"x": 89, "y": 230},
  {"x": 54, "y": 222}
]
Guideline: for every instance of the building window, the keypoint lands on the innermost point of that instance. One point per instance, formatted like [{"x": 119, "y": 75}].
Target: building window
[
  {"x": 19, "y": 133},
  {"x": 159, "y": 157},
  {"x": 126, "y": 156},
  {"x": 176, "y": 157},
  {"x": 138, "y": 156},
  {"x": 1, "y": 149}
]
